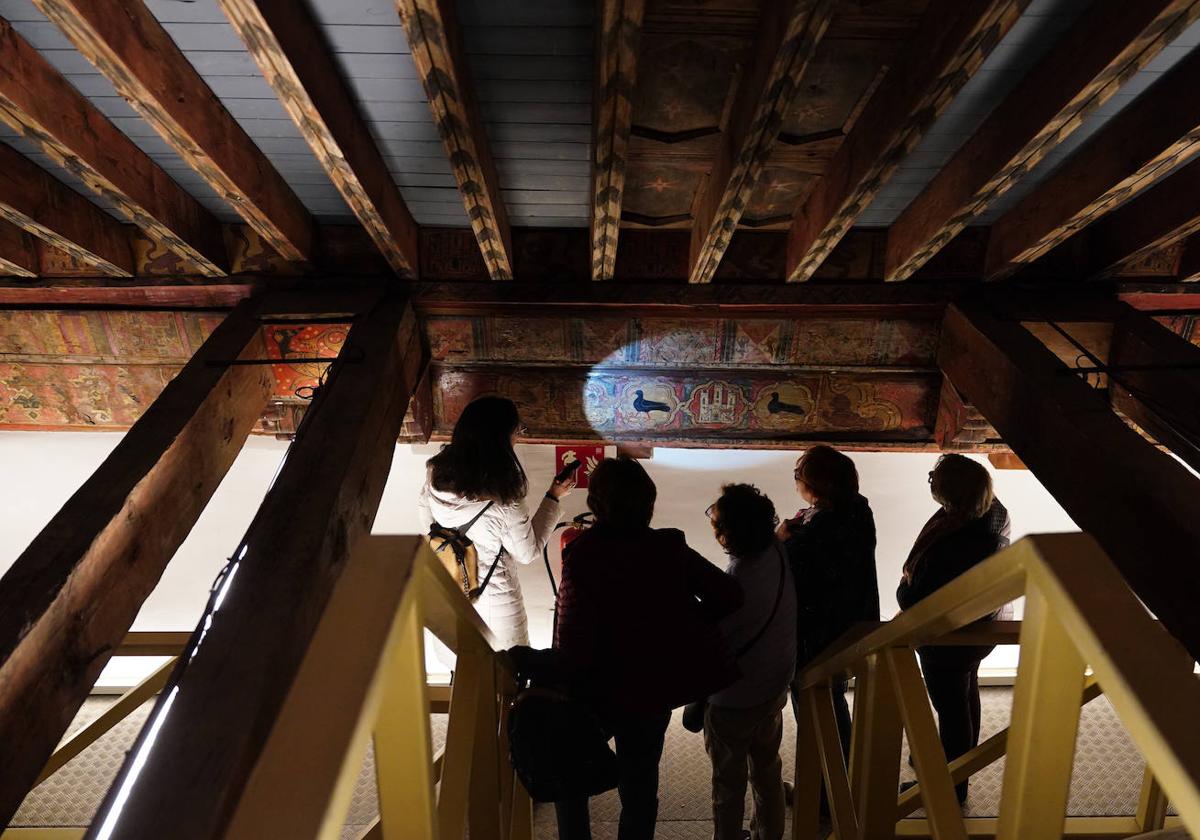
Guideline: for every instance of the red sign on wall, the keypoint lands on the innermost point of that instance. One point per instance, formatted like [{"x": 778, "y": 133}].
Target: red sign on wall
[{"x": 589, "y": 455}]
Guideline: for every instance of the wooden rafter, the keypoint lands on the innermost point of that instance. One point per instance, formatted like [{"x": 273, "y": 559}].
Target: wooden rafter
[
  {"x": 129, "y": 46},
  {"x": 1145, "y": 141},
  {"x": 68, "y": 600},
  {"x": 786, "y": 42},
  {"x": 37, "y": 101},
  {"x": 433, "y": 35},
  {"x": 616, "y": 74},
  {"x": 952, "y": 41},
  {"x": 1113, "y": 40},
  {"x": 18, "y": 256},
  {"x": 324, "y": 499},
  {"x": 290, "y": 48},
  {"x": 36, "y": 202},
  {"x": 1163, "y": 215}
]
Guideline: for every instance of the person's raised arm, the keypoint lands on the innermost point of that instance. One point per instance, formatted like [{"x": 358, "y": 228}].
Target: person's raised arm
[{"x": 524, "y": 538}]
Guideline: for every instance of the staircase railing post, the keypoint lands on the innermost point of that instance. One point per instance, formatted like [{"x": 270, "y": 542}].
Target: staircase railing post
[{"x": 875, "y": 750}]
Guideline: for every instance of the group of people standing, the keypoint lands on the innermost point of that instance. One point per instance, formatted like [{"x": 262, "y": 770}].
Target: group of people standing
[{"x": 645, "y": 624}]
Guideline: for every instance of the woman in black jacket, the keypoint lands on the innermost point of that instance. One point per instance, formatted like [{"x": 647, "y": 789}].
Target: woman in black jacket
[
  {"x": 971, "y": 526},
  {"x": 831, "y": 549}
]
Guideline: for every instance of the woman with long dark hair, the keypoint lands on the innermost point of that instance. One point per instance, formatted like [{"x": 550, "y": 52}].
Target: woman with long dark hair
[{"x": 478, "y": 469}]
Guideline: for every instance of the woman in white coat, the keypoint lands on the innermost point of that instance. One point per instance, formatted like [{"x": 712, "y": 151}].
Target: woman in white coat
[{"x": 479, "y": 466}]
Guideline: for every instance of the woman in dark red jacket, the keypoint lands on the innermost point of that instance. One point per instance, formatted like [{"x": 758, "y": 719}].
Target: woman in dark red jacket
[{"x": 637, "y": 613}]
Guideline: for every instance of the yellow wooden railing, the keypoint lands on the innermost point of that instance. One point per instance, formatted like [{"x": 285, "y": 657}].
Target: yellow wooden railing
[{"x": 1079, "y": 615}]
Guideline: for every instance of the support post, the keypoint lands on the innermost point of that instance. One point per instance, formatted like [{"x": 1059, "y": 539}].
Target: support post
[{"x": 875, "y": 767}]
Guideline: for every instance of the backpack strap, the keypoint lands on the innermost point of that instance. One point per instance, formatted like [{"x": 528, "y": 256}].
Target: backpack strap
[
  {"x": 774, "y": 610},
  {"x": 462, "y": 532},
  {"x": 488, "y": 577}
]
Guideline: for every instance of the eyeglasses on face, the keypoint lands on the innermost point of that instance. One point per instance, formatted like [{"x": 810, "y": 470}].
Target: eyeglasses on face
[{"x": 711, "y": 512}]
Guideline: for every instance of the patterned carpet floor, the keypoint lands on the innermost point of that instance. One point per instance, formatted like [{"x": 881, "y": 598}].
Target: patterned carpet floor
[{"x": 1108, "y": 771}]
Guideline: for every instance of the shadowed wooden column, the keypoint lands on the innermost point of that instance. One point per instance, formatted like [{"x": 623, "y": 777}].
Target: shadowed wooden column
[
  {"x": 325, "y": 498},
  {"x": 1139, "y": 503},
  {"x": 68, "y": 600}
]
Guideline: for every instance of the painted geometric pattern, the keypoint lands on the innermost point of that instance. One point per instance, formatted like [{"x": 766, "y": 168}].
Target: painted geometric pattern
[
  {"x": 684, "y": 342},
  {"x": 697, "y": 404},
  {"x": 115, "y": 336}
]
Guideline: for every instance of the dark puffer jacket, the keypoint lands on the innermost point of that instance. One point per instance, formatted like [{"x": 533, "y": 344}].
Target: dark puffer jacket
[{"x": 832, "y": 553}]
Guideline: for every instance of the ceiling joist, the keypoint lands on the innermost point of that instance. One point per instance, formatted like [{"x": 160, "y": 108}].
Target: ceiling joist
[
  {"x": 787, "y": 40},
  {"x": 616, "y": 76},
  {"x": 1112, "y": 41},
  {"x": 129, "y": 46},
  {"x": 293, "y": 54},
  {"x": 1149, "y": 138},
  {"x": 952, "y": 41},
  {"x": 37, "y": 203},
  {"x": 437, "y": 51},
  {"x": 37, "y": 101}
]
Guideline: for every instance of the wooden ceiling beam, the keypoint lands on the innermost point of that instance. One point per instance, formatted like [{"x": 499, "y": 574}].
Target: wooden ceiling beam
[
  {"x": 787, "y": 39},
  {"x": 296, "y": 60},
  {"x": 1158, "y": 217},
  {"x": 951, "y": 42},
  {"x": 1112, "y": 40},
  {"x": 437, "y": 51},
  {"x": 1141, "y": 144},
  {"x": 42, "y": 105},
  {"x": 71, "y": 596},
  {"x": 39, "y": 204},
  {"x": 615, "y": 79},
  {"x": 129, "y": 46},
  {"x": 18, "y": 256}
]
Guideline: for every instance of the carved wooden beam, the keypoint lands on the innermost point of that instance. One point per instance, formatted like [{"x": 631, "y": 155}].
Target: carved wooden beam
[
  {"x": 954, "y": 38},
  {"x": 1163, "y": 215},
  {"x": 18, "y": 256},
  {"x": 616, "y": 77},
  {"x": 1090, "y": 460},
  {"x": 1145, "y": 141},
  {"x": 129, "y": 46},
  {"x": 68, "y": 600},
  {"x": 433, "y": 35},
  {"x": 787, "y": 40},
  {"x": 289, "y": 46},
  {"x": 324, "y": 499},
  {"x": 38, "y": 102},
  {"x": 1112, "y": 41},
  {"x": 34, "y": 201}
]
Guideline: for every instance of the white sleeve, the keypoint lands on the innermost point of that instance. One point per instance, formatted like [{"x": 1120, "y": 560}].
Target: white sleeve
[
  {"x": 523, "y": 538},
  {"x": 424, "y": 515}
]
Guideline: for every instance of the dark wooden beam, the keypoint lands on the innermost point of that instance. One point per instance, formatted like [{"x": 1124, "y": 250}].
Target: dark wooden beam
[
  {"x": 38, "y": 203},
  {"x": 616, "y": 75},
  {"x": 787, "y": 39},
  {"x": 129, "y": 46},
  {"x": 18, "y": 256},
  {"x": 41, "y": 104},
  {"x": 1167, "y": 213},
  {"x": 1139, "y": 503},
  {"x": 292, "y": 52},
  {"x": 1112, "y": 41},
  {"x": 433, "y": 35},
  {"x": 68, "y": 600},
  {"x": 176, "y": 293},
  {"x": 954, "y": 38},
  {"x": 1141, "y": 144},
  {"x": 324, "y": 499},
  {"x": 1164, "y": 398}
]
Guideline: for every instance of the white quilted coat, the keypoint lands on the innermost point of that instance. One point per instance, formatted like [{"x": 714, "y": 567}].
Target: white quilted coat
[{"x": 506, "y": 527}]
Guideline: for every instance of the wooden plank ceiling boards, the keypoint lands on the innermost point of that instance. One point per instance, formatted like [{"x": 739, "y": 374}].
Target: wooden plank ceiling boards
[
  {"x": 1111, "y": 42},
  {"x": 954, "y": 38},
  {"x": 289, "y": 47},
  {"x": 437, "y": 51},
  {"x": 37, "y": 101},
  {"x": 130, "y": 47},
  {"x": 18, "y": 256}
]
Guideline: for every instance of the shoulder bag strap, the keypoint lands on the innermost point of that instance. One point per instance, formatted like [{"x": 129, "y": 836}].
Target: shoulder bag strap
[
  {"x": 774, "y": 610},
  {"x": 462, "y": 532}
]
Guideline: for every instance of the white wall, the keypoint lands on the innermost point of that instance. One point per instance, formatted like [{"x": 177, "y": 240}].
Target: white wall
[{"x": 39, "y": 471}]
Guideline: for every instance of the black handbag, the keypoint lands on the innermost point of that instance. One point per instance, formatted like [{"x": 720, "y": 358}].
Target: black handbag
[{"x": 693, "y": 713}]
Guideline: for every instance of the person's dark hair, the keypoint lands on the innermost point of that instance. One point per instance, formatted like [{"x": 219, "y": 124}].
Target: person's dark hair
[
  {"x": 744, "y": 520},
  {"x": 962, "y": 486},
  {"x": 829, "y": 474},
  {"x": 479, "y": 461},
  {"x": 621, "y": 494}
]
